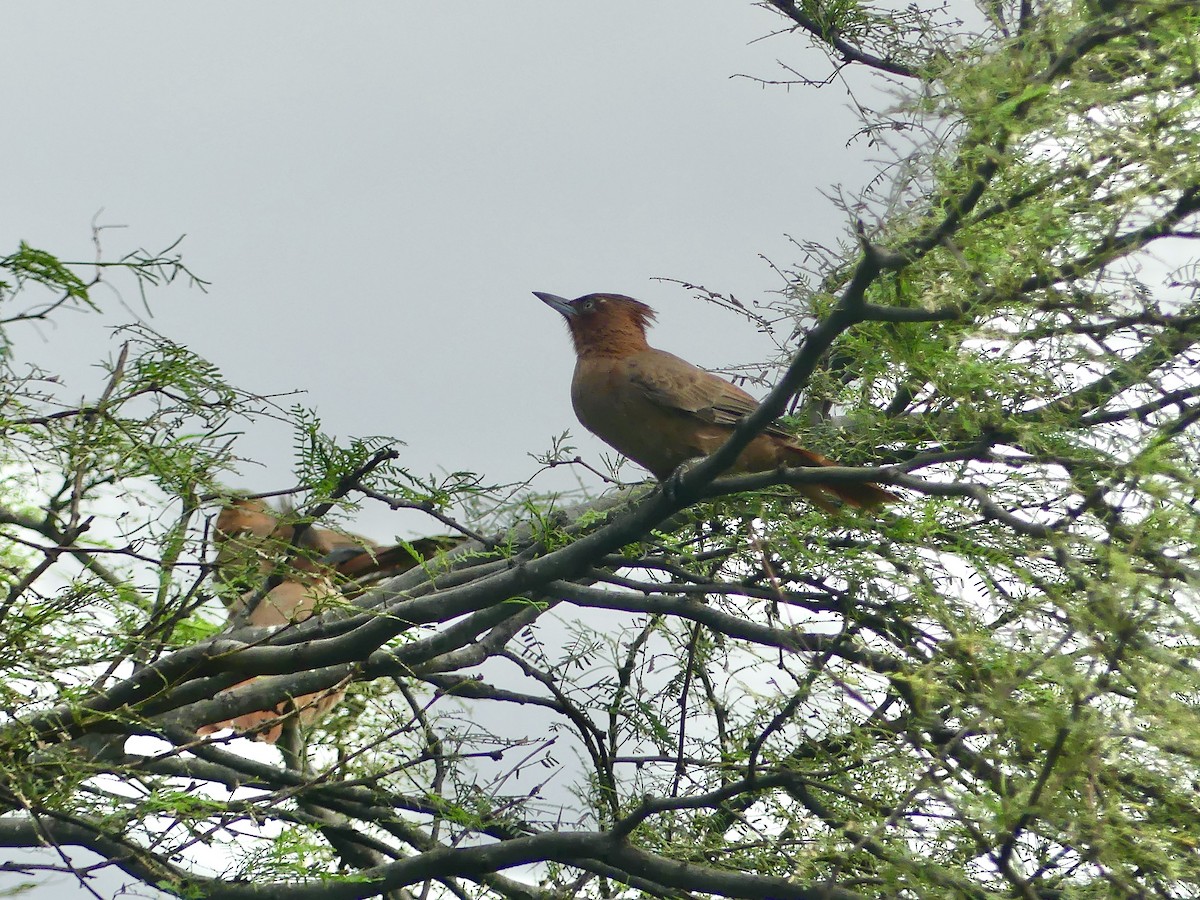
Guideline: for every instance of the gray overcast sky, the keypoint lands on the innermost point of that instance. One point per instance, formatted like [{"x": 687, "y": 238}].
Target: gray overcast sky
[{"x": 374, "y": 189}]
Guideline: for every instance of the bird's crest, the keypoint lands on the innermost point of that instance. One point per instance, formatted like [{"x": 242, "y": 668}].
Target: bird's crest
[
  {"x": 605, "y": 324},
  {"x": 613, "y": 305}
]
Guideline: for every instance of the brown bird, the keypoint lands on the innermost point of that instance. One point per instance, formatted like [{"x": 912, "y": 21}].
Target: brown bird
[
  {"x": 661, "y": 411},
  {"x": 324, "y": 566},
  {"x": 251, "y": 538}
]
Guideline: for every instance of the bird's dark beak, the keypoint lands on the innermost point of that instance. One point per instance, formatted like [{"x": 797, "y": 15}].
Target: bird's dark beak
[{"x": 554, "y": 301}]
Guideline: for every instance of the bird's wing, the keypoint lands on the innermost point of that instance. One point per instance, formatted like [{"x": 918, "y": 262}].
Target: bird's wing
[{"x": 669, "y": 381}]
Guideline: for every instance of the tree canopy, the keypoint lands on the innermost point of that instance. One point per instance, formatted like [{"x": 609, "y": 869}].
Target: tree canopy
[{"x": 709, "y": 687}]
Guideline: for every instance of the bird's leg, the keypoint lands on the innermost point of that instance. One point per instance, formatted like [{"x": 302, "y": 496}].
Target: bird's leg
[{"x": 673, "y": 483}]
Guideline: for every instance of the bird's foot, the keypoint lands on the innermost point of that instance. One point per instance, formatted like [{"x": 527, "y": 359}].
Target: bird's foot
[{"x": 673, "y": 484}]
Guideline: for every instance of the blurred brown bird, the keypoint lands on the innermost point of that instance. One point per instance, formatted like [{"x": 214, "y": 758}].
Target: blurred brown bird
[
  {"x": 660, "y": 410},
  {"x": 251, "y": 538},
  {"x": 319, "y": 566}
]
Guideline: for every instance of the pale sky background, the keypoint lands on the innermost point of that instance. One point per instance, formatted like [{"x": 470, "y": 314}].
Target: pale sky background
[{"x": 373, "y": 189}]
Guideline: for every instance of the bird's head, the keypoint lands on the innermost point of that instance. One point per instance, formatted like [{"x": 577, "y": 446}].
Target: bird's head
[
  {"x": 603, "y": 324},
  {"x": 245, "y": 515}
]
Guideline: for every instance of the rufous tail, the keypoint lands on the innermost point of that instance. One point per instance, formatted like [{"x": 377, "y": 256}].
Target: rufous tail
[{"x": 863, "y": 494}]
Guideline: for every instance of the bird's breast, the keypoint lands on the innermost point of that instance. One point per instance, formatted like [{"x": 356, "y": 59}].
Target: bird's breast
[{"x": 617, "y": 410}]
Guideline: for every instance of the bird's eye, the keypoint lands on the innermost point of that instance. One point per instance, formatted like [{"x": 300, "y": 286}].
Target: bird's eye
[{"x": 588, "y": 305}]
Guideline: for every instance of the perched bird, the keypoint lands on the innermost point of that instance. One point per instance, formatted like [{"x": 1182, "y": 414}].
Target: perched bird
[
  {"x": 660, "y": 410},
  {"x": 251, "y": 538},
  {"x": 317, "y": 565}
]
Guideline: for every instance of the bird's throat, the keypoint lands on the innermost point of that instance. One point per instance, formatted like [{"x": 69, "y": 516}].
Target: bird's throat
[{"x": 614, "y": 338}]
